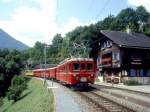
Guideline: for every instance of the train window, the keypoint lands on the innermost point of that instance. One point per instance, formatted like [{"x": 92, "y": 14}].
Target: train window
[
  {"x": 89, "y": 66},
  {"x": 76, "y": 66},
  {"x": 83, "y": 66}
]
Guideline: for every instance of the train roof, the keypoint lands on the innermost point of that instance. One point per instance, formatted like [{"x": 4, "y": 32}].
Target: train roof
[
  {"x": 75, "y": 59},
  {"x": 66, "y": 61},
  {"x": 51, "y": 68},
  {"x": 38, "y": 69}
]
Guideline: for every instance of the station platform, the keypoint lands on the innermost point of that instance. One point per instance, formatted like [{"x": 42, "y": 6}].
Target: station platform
[{"x": 138, "y": 88}]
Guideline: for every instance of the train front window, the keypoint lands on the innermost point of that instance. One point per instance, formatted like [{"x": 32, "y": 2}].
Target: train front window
[
  {"x": 76, "y": 66},
  {"x": 89, "y": 66},
  {"x": 83, "y": 66}
]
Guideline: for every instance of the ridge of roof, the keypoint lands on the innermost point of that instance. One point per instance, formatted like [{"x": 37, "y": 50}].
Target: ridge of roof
[{"x": 136, "y": 40}]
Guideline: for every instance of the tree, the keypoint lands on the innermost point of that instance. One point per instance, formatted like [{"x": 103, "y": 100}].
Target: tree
[
  {"x": 18, "y": 85},
  {"x": 123, "y": 19},
  {"x": 143, "y": 19},
  {"x": 10, "y": 64},
  {"x": 57, "y": 40},
  {"x": 1, "y": 101},
  {"x": 142, "y": 14},
  {"x": 106, "y": 23}
]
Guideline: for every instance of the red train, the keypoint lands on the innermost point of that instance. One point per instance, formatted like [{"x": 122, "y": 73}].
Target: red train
[{"x": 73, "y": 72}]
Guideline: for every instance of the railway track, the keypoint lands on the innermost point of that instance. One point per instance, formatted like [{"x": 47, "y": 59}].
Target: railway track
[
  {"x": 115, "y": 88},
  {"x": 106, "y": 105}
]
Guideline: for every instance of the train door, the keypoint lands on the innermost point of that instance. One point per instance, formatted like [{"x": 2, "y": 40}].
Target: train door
[
  {"x": 75, "y": 72},
  {"x": 67, "y": 72},
  {"x": 83, "y": 70},
  {"x": 90, "y": 69}
]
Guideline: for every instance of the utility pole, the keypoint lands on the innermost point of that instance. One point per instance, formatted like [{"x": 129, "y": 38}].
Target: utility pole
[
  {"x": 45, "y": 59},
  {"x": 45, "y": 63}
]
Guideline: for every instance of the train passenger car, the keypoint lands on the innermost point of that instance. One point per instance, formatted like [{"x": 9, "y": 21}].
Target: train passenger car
[
  {"x": 38, "y": 72},
  {"x": 52, "y": 73},
  {"x": 28, "y": 73},
  {"x": 76, "y": 72},
  {"x": 45, "y": 73}
]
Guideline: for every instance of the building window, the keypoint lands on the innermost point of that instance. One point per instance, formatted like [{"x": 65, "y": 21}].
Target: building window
[
  {"x": 105, "y": 45},
  {"x": 99, "y": 60},
  {"x": 142, "y": 72},
  {"x": 132, "y": 72},
  {"x": 102, "y": 46},
  {"x": 116, "y": 56},
  {"x": 148, "y": 73},
  {"x": 109, "y": 44}
]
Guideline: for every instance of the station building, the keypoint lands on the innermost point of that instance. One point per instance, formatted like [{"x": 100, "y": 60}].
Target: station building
[{"x": 126, "y": 55}]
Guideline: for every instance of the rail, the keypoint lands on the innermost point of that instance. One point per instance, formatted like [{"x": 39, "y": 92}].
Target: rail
[{"x": 105, "y": 104}]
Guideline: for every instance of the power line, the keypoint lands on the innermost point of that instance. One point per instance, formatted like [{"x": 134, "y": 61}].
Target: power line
[
  {"x": 102, "y": 9},
  {"x": 57, "y": 7},
  {"x": 90, "y": 6}
]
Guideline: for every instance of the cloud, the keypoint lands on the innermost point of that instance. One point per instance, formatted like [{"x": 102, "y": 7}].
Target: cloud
[
  {"x": 30, "y": 23},
  {"x": 36, "y": 22},
  {"x": 72, "y": 24},
  {"x": 145, "y": 3}
]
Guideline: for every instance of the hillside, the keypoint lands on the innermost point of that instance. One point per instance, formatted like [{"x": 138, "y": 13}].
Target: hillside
[{"x": 6, "y": 41}]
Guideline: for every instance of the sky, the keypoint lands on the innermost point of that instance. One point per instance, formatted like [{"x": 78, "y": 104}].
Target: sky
[{"x": 39, "y": 20}]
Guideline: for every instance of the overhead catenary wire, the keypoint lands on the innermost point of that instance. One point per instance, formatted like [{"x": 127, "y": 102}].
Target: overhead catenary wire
[{"x": 102, "y": 9}]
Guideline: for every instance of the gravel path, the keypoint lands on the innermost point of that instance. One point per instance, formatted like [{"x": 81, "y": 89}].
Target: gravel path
[
  {"x": 69, "y": 101},
  {"x": 64, "y": 102}
]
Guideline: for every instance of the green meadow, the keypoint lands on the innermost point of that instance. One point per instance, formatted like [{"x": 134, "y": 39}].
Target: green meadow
[{"x": 36, "y": 98}]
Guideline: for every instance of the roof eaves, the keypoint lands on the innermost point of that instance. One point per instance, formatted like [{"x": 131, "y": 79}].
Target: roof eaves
[{"x": 134, "y": 47}]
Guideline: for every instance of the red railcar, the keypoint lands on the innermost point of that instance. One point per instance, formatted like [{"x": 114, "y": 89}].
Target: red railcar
[
  {"x": 46, "y": 73},
  {"x": 73, "y": 72},
  {"x": 52, "y": 73},
  {"x": 38, "y": 72},
  {"x": 77, "y": 71}
]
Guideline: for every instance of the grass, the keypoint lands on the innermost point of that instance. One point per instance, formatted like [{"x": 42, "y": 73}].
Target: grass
[{"x": 34, "y": 99}]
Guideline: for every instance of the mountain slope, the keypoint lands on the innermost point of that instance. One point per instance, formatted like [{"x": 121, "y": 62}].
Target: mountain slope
[{"x": 6, "y": 41}]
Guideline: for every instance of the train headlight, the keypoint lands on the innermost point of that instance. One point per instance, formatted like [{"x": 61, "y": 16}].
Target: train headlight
[
  {"x": 74, "y": 75},
  {"x": 92, "y": 75}
]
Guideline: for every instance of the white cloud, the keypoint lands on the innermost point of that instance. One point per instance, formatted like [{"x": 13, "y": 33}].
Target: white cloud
[
  {"x": 72, "y": 23},
  {"x": 145, "y": 3},
  {"x": 30, "y": 23}
]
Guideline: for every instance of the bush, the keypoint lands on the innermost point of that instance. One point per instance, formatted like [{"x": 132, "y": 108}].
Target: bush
[
  {"x": 131, "y": 82},
  {"x": 1, "y": 101},
  {"x": 18, "y": 85}
]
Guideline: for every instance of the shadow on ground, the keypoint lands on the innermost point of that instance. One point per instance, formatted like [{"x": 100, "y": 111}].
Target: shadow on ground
[
  {"x": 17, "y": 101},
  {"x": 25, "y": 95}
]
